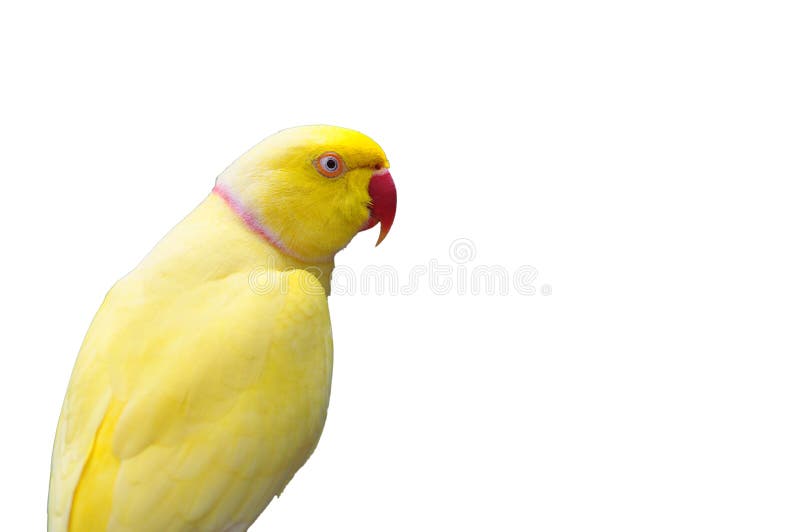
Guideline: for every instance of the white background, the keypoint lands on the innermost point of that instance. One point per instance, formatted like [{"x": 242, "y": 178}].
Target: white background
[{"x": 642, "y": 156}]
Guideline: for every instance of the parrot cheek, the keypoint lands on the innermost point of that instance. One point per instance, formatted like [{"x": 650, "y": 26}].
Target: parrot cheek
[{"x": 383, "y": 195}]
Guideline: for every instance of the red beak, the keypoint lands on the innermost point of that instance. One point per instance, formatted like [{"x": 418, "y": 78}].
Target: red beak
[{"x": 383, "y": 204}]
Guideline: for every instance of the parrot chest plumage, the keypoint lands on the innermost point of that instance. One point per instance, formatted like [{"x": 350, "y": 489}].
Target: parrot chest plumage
[{"x": 200, "y": 389}]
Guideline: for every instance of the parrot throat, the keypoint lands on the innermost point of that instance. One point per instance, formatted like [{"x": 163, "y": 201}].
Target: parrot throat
[{"x": 254, "y": 224}]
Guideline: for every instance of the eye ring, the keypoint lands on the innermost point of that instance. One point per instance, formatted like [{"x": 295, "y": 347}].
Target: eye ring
[{"x": 329, "y": 164}]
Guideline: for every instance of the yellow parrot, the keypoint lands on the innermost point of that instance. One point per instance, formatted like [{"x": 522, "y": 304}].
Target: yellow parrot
[{"x": 202, "y": 385}]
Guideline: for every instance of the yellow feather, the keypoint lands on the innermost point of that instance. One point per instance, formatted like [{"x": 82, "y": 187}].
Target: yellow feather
[
  {"x": 92, "y": 500},
  {"x": 219, "y": 391}
]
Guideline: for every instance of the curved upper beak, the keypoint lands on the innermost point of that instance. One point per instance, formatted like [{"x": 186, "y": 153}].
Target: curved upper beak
[{"x": 383, "y": 203}]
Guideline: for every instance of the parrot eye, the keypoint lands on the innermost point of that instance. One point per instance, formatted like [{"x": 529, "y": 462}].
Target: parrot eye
[{"x": 330, "y": 164}]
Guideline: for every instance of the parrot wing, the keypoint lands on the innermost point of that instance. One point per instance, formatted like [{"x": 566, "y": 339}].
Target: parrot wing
[{"x": 191, "y": 410}]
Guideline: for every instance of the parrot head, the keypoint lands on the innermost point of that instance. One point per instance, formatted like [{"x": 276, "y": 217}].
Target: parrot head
[{"x": 311, "y": 189}]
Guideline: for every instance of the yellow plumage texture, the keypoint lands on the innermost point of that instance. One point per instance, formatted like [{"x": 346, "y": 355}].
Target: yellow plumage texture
[{"x": 195, "y": 398}]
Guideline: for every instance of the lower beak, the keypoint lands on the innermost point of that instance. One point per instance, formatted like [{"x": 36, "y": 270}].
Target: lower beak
[{"x": 383, "y": 203}]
